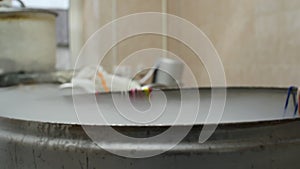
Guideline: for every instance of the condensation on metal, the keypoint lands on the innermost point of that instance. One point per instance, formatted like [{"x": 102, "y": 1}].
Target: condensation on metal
[{"x": 29, "y": 145}]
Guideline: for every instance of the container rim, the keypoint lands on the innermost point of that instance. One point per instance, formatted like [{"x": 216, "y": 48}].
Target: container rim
[{"x": 25, "y": 10}]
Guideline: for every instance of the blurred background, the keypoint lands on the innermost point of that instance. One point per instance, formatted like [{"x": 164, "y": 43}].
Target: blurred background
[{"x": 258, "y": 41}]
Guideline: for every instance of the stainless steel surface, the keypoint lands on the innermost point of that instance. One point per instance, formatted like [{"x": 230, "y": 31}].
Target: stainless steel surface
[
  {"x": 267, "y": 145},
  {"x": 248, "y": 136},
  {"x": 54, "y": 105}
]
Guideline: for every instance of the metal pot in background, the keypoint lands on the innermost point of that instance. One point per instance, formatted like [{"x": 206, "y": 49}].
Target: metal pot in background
[
  {"x": 169, "y": 72},
  {"x": 27, "y": 40},
  {"x": 166, "y": 73}
]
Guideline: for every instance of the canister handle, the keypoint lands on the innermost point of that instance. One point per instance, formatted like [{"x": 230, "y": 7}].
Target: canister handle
[
  {"x": 22, "y": 4},
  {"x": 8, "y": 4}
]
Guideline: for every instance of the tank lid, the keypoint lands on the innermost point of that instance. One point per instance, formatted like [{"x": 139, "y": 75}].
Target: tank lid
[{"x": 8, "y": 10}]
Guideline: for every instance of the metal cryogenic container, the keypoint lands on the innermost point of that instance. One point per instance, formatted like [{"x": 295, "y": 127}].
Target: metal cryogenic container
[
  {"x": 28, "y": 40},
  {"x": 39, "y": 129}
]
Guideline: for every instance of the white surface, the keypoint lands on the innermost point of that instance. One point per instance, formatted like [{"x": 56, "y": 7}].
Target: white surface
[
  {"x": 47, "y": 103},
  {"x": 87, "y": 80}
]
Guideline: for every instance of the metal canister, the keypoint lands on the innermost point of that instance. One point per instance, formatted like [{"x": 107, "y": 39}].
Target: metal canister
[
  {"x": 39, "y": 129},
  {"x": 28, "y": 41}
]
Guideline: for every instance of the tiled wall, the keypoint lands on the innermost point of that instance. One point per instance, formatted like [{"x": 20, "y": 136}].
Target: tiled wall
[{"x": 258, "y": 40}]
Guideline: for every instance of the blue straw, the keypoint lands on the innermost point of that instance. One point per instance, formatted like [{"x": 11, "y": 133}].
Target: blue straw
[
  {"x": 290, "y": 91},
  {"x": 296, "y": 109}
]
